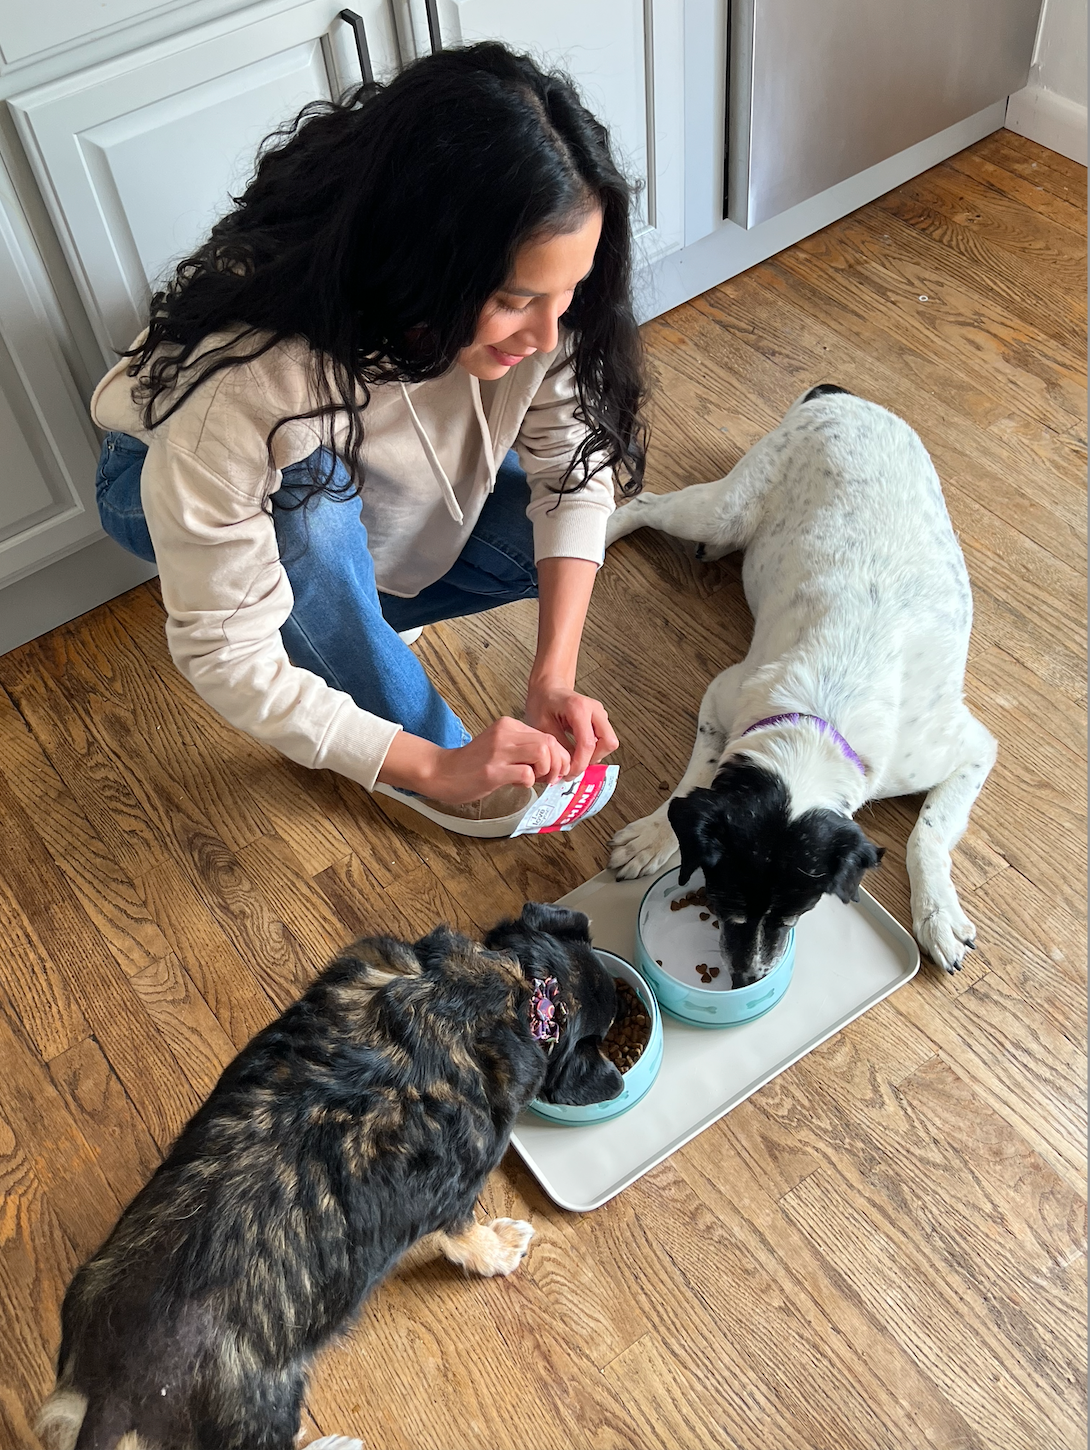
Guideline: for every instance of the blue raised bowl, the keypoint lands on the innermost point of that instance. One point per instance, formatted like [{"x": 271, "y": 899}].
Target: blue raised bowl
[
  {"x": 702, "y": 1006},
  {"x": 639, "y": 1077}
]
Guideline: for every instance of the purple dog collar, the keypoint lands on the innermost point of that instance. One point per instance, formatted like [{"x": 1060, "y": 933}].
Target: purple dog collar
[
  {"x": 823, "y": 725},
  {"x": 547, "y": 1011}
]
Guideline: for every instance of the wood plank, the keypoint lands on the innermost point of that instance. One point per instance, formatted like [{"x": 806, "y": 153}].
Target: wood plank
[
  {"x": 36, "y": 1262},
  {"x": 104, "y": 890},
  {"x": 917, "y": 1306},
  {"x": 916, "y": 1410},
  {"x": 107, "y": 1120},
  {"x": 976, "y": 208},
  {"x": 281, "y": 880},
  {"x": 32, "y": 990},
  {"x": 1037, "y": 946},
  {"x": 1011, "y": 184},
  {"x": 1035, "y": 157},
  {"x": 128, "y": 1037},
  {"x": 1017, "y": 1061},
  {"x": 987, "y": 463},
  {"x": 63, "y": 1166},
  {"x": 223, "y": 977},
  {"x": 1009, "y": 359},
  {"x": 194, "y": 1036},
  {"x": 826, "y": 1396},
  {"x": 986, "y": 1210}
]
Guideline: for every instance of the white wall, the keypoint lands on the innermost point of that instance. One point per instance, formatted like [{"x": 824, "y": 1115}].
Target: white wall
[{"x": 1052, "y": 108}]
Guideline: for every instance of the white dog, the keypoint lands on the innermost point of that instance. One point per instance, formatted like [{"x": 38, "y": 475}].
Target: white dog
[{"x": 851, "y": 690}]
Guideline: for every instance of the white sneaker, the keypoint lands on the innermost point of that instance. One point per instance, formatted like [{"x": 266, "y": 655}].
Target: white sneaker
[
  {"x": 496, "y": 814},
  {"x": 335, "y": 1442},
  {"x": 410, "y": 636}
]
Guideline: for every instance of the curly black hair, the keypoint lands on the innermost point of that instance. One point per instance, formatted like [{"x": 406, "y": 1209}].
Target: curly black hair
[{"x": 377, "y": 227}]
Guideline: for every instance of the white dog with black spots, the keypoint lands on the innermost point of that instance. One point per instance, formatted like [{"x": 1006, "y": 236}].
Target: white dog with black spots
[{"x": 852, "y": 689}]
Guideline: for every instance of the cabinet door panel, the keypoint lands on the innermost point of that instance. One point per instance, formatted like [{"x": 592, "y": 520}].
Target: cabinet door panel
[
  {"x": 47, "y": 482},
  {"x": 138, "y": 157}
]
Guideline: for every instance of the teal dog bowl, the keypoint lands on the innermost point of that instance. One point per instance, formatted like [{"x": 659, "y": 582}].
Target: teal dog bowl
[
  {"x": 703, "y": 1006},
  {"x": 639, "y": 1077}
]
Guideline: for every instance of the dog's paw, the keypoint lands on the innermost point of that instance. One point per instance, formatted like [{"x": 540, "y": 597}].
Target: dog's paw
[
  {"x": 642, "y": 847},
  {"x": 503, "y": 1245},
  {"x": 945, "y": 933}
]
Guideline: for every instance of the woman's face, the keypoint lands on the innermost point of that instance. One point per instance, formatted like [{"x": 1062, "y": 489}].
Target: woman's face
[{"x": 524, "y": 316}]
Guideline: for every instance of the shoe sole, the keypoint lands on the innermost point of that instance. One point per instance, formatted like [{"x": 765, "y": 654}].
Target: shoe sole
[{"x": 498, "y": 826}]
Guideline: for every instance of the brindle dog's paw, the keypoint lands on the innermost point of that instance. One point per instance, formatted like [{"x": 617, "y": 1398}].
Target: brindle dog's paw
[{"x": 511, "y": 1238}]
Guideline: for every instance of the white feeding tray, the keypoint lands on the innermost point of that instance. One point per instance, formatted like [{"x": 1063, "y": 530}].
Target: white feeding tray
[{"x": 847, "y": 959}]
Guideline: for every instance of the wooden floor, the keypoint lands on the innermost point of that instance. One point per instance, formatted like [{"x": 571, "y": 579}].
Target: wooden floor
[{"x": 884, "y": 1247}]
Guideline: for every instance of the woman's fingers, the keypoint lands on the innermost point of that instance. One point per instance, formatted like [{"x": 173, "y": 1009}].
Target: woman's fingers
[
  {"x": 582, "y": 728},
  {"x": 607, "y": 740}
]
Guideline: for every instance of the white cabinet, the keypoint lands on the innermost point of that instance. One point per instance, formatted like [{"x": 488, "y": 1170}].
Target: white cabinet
[
  {"x": 48, "y": 448},
  {"x": 138, "y": 157}
]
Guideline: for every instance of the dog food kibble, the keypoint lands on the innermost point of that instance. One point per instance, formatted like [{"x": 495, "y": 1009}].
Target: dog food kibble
[
  {"x": 705, "y": 916},
  {"x": 691, "y": 898},
  {"x": 625, "y": 1041},
  {"x": 707, "y": 974}
]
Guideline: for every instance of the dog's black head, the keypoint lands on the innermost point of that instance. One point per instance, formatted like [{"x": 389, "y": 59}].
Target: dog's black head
[
  {"x": 763, "y": 869},
  {"x": 551, "y": 941}
]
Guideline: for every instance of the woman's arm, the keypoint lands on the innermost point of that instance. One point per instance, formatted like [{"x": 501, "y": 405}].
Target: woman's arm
[{"x": 579, "y": 723}]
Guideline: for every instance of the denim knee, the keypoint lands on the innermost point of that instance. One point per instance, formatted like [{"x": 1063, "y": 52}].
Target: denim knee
[{"x": 117, "y": 494}]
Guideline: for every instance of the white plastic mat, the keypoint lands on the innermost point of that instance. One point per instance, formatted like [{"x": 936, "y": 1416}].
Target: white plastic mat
[{"x": 847, "y": 959}]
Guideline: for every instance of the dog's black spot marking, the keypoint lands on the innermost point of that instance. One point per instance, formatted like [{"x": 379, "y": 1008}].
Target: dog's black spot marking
[{"x": 823, "y": 390}]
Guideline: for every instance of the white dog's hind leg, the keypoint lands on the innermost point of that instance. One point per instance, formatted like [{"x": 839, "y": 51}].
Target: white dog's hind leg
[
  {"x": 688, "y": 514},
  {"x": 938, "y": 922},
  {"x": 647, "y": 844}
]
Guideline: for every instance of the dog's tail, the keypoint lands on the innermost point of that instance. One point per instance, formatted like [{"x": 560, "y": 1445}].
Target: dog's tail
[{"x": 63, "y": 1424}]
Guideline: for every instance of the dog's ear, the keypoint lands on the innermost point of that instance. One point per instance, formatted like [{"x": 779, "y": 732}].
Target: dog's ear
[
  {"x": 436, "y": 946},
  {"x": 585, "y": 1076},
  {"x": 699, "y": 821},
  {"x": 850, "y": 855},
  {"x": 556, "y": 920}
]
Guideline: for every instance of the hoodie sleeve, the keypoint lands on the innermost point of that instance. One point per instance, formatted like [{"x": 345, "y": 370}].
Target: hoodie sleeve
[
  {"x": 572, "y": 525},
  {"x": 227, "y": 594}
]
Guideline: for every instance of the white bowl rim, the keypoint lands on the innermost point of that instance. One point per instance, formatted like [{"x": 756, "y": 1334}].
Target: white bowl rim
[{"x": 716, "y": 993}]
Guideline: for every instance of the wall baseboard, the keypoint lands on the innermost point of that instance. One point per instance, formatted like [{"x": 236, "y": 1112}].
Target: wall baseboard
[
  {"x": 731, "y": 249},
  {"x": 1049, "y": 119},
  {"x": 66, "y": 589}
]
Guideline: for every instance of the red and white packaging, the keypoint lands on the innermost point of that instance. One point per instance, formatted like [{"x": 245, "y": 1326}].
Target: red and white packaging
[{"x": 565, "y": 804}]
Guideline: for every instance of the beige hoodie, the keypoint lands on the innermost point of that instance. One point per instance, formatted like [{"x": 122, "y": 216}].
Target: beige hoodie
[{"x": 430, "y": 457}]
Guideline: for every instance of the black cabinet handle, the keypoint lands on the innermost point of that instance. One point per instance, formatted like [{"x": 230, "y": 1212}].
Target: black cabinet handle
[
  {"x": 436, "y": 39},
  {"x": 356, "y": 22}
]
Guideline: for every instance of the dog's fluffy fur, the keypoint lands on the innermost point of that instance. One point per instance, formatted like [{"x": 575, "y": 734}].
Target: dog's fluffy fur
[
  {"x": 862, "y": 612},
  {"x": 367, "y": 1116}
]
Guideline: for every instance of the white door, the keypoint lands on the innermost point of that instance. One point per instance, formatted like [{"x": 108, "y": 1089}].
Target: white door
[
  {"x": 626, "y": 56},
  {"x": 47, "y": 445},
  {"x": 138, "y": 157}
]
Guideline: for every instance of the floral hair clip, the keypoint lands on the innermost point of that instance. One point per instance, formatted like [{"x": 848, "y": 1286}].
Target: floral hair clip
[{"x": 547, "y": 1011}]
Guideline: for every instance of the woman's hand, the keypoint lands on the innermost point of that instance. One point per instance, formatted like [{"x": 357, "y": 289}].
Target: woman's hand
[
  {"x": 575, "y": 721},
  {"x": 507, "y": 753}
]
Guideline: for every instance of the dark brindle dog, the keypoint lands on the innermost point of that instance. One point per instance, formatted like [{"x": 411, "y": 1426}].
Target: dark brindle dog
[{"x": 368, "y": 1115}]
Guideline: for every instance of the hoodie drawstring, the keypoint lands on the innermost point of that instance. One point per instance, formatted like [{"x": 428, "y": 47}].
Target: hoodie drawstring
[{"x": 445, "y": 486}]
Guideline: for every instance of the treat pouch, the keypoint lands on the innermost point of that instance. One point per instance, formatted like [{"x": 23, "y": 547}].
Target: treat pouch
[{"x": 565, "y": 804}]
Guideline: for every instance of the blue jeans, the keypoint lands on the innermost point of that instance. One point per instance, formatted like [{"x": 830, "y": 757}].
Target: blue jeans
[{"x": 341, "y": 626}]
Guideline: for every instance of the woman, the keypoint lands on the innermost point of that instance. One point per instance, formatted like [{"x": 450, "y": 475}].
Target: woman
[{"x": 312, "y": 439}]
